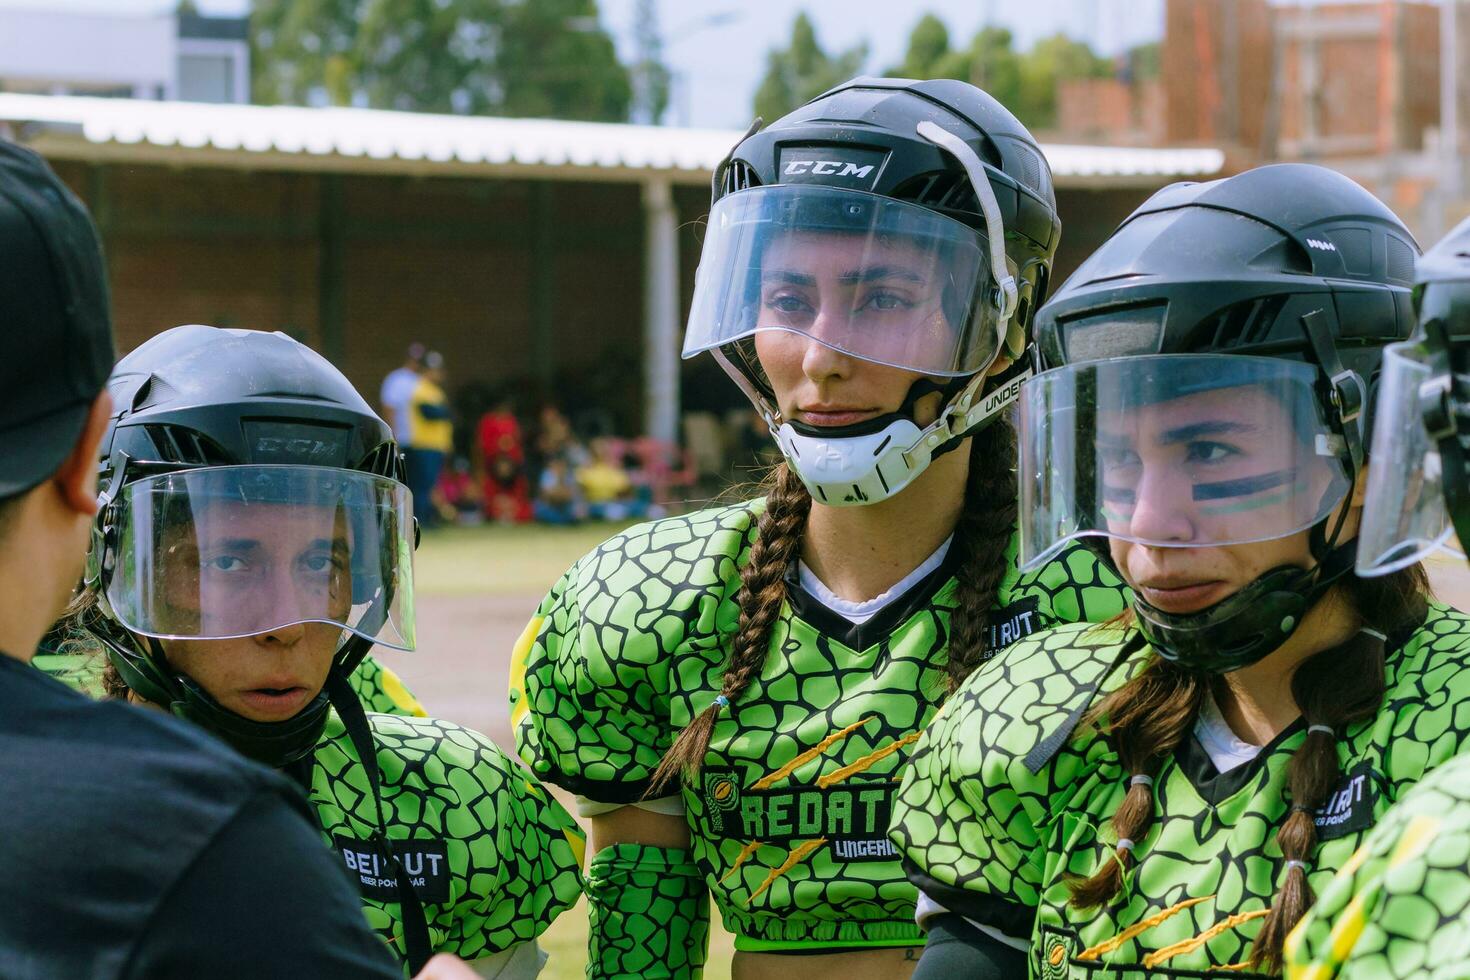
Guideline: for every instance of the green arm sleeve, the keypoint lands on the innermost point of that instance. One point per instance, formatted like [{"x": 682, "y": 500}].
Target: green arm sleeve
[{"x": 650, "y": 914}]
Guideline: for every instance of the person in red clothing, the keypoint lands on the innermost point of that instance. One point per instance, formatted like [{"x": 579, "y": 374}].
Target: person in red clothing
[{"x": 506, "y": 493}]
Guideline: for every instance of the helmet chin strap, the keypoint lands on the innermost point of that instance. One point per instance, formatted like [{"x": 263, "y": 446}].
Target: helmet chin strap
[{"x": 856, "y": 465}]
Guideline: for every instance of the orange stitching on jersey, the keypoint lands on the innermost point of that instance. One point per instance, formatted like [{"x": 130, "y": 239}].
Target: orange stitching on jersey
[
  {"x": 1094, "y": 952},
  {"x": 745, "y": 852},
  {"x": 766, "y": 781},
  {"x": 792, "y": 860},
  {"x": 1184, "y": 946},
  {"x": 867, "y": 761}
]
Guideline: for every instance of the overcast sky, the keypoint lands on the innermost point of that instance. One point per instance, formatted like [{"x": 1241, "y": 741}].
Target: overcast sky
[{"x": 718, "y": 67}]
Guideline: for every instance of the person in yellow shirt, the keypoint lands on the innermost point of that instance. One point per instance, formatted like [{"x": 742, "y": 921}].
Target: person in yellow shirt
[
  {"x": 430, "y": 437},
  {"x": 607, "y": 487}
]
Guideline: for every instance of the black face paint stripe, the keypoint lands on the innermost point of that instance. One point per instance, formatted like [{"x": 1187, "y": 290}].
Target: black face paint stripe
[{"x": 1245, "y": 486}]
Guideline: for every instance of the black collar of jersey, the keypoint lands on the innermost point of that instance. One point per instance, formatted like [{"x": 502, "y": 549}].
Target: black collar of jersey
[
  {"x": 860, "y": 636},
  {"x": 1213, "y": 786}
]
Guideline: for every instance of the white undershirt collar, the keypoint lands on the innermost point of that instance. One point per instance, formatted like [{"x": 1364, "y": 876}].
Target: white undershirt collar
[{"x": 861, "y": 612}]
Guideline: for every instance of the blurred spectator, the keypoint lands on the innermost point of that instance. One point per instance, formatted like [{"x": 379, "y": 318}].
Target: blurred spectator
[
  {"x": 501, "y": 464},
  {"x": 607, "y": 487},
  {"x": 554, "y": 439},
  {"x": 457, "y": 497},
  {"x": 431, "y": 437},
  {"x": 398, "y": 389},
  {"x": 558, "y": 498}
]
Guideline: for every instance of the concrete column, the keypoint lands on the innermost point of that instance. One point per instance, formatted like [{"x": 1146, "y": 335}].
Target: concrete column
[{"x": 660, "y": 311}]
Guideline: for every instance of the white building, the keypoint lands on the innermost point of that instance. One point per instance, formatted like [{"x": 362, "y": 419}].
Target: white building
[{"x": 165, "y": 57}]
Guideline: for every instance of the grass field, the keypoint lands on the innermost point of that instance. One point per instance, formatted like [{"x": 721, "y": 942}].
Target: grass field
[
  {"x": 464, "y": 577},
  {"x": 476, "y": 589}
]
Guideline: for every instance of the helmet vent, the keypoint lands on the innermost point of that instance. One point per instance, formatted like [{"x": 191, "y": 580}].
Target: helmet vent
[
  {"x": 1244, "y": 324},
  {"x": 383, "y": 461},
  {"x": 944, "y": 192},
  {"x": 1400, "y": 260},
  {"x": 740, "y": 176},
  {"x": 176, "y": 444},
  {"x": 1030, "y": 168}
]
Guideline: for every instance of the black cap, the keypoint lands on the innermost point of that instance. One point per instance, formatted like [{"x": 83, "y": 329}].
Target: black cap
[{"x": 55, "y": 332}]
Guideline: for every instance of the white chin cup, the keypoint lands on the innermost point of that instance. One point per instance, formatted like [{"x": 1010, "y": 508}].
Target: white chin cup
[{"x": 854, "y": 470}]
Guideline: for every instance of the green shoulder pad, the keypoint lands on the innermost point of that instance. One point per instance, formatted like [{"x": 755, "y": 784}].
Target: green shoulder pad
[
  {"x": 971, "y": 817},
  {"x": 381, "y": 690},
  {"x": 500, "y": 858},
  {"x": 590, "y": 678}
]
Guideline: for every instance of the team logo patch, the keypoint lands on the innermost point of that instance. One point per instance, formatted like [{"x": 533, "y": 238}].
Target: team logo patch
[
  {"x": 425, "y": 861},
  {"x": 1015, "y": 622},
  {"x": 851, "y": 819},
  {"x": 1349, "y": 807}
]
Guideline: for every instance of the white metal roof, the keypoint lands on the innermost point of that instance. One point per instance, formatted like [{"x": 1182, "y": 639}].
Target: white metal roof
[{"x": 373, "y": 140}]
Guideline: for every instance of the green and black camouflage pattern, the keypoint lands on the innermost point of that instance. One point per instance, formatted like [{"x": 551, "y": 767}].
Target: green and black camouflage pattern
[
  {"x": 988, "y": 837},
  {"x": 649, "y": 914},
  {"x": 501, "y": 858},
  {"x": 788, "y": 821},
  {"x": 1400, "y": 909}
]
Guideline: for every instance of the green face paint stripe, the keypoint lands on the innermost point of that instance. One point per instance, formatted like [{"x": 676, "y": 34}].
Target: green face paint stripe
[{"x": 1249, "y": 505}]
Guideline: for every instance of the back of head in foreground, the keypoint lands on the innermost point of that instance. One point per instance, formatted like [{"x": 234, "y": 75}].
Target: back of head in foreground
[{"x": 132, "y": 842}]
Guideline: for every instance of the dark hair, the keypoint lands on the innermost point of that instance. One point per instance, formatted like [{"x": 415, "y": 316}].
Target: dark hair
[
  {"x": 981, "y": 538},
  {"x": 1150, "y": 715}
]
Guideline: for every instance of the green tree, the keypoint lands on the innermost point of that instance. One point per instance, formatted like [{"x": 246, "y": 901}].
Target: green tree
[
  {"x": 493, "y": 57},
  {"x": 1026, "y": 83},
  {"x": 1050, "y": 62},
  {"x": 928, "y": 47},
  {"x": 802, "y": 71}
]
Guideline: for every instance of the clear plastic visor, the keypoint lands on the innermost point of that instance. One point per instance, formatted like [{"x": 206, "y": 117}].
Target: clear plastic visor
[
  {"x": 235, "y": 551},
  {"x": 1178, "y": 451},
  {"x": 879, "y": 279},
  {"x": 1404, "y": 516}
]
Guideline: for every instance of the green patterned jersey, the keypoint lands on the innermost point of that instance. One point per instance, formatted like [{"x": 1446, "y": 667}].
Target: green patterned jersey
[
  {"x": 991, "y": 834},
  {"x": 788, "y": 821},
  {"x": 1401, "y": 907},
  {"x": 493, "y": 857}
]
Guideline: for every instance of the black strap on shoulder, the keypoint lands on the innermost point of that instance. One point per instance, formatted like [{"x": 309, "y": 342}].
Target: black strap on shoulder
[
  {"x": 354, "y": 719},
  {"x": 1046, "y": 749}
]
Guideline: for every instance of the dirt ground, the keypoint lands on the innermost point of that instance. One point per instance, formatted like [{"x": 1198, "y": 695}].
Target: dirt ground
[{"x": 473, "y": 605}]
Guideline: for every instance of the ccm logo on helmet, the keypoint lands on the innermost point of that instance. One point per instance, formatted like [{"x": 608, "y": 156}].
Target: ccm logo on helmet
[
  {"x": 827, "y": 168},
  {"x": 278, "y": 446},
  {"x": 1324, "y": 246}
]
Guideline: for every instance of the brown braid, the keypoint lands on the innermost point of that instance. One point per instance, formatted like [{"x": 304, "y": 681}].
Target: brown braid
[
  {"x": 983, "y": 532},
  {"x": 762, "y": 590},
  {"x": 1334, "y": 688},
  {"x": 1151, "y": 714},
  {"x": 1145, "y": 719}
]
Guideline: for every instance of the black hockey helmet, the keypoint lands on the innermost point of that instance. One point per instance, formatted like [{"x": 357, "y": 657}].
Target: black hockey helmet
[
  {"x": 1287, "y": 280},
  {"x": 211, "y": 422}
]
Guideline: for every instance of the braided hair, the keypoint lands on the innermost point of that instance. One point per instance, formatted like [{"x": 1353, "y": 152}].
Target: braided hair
[
  {"x": 982, "y": 535},
  {"x": 1149, "y": 716}
]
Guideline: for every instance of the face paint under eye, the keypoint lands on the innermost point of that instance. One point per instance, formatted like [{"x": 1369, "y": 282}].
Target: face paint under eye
[{"x": 1245, "y": 486}]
